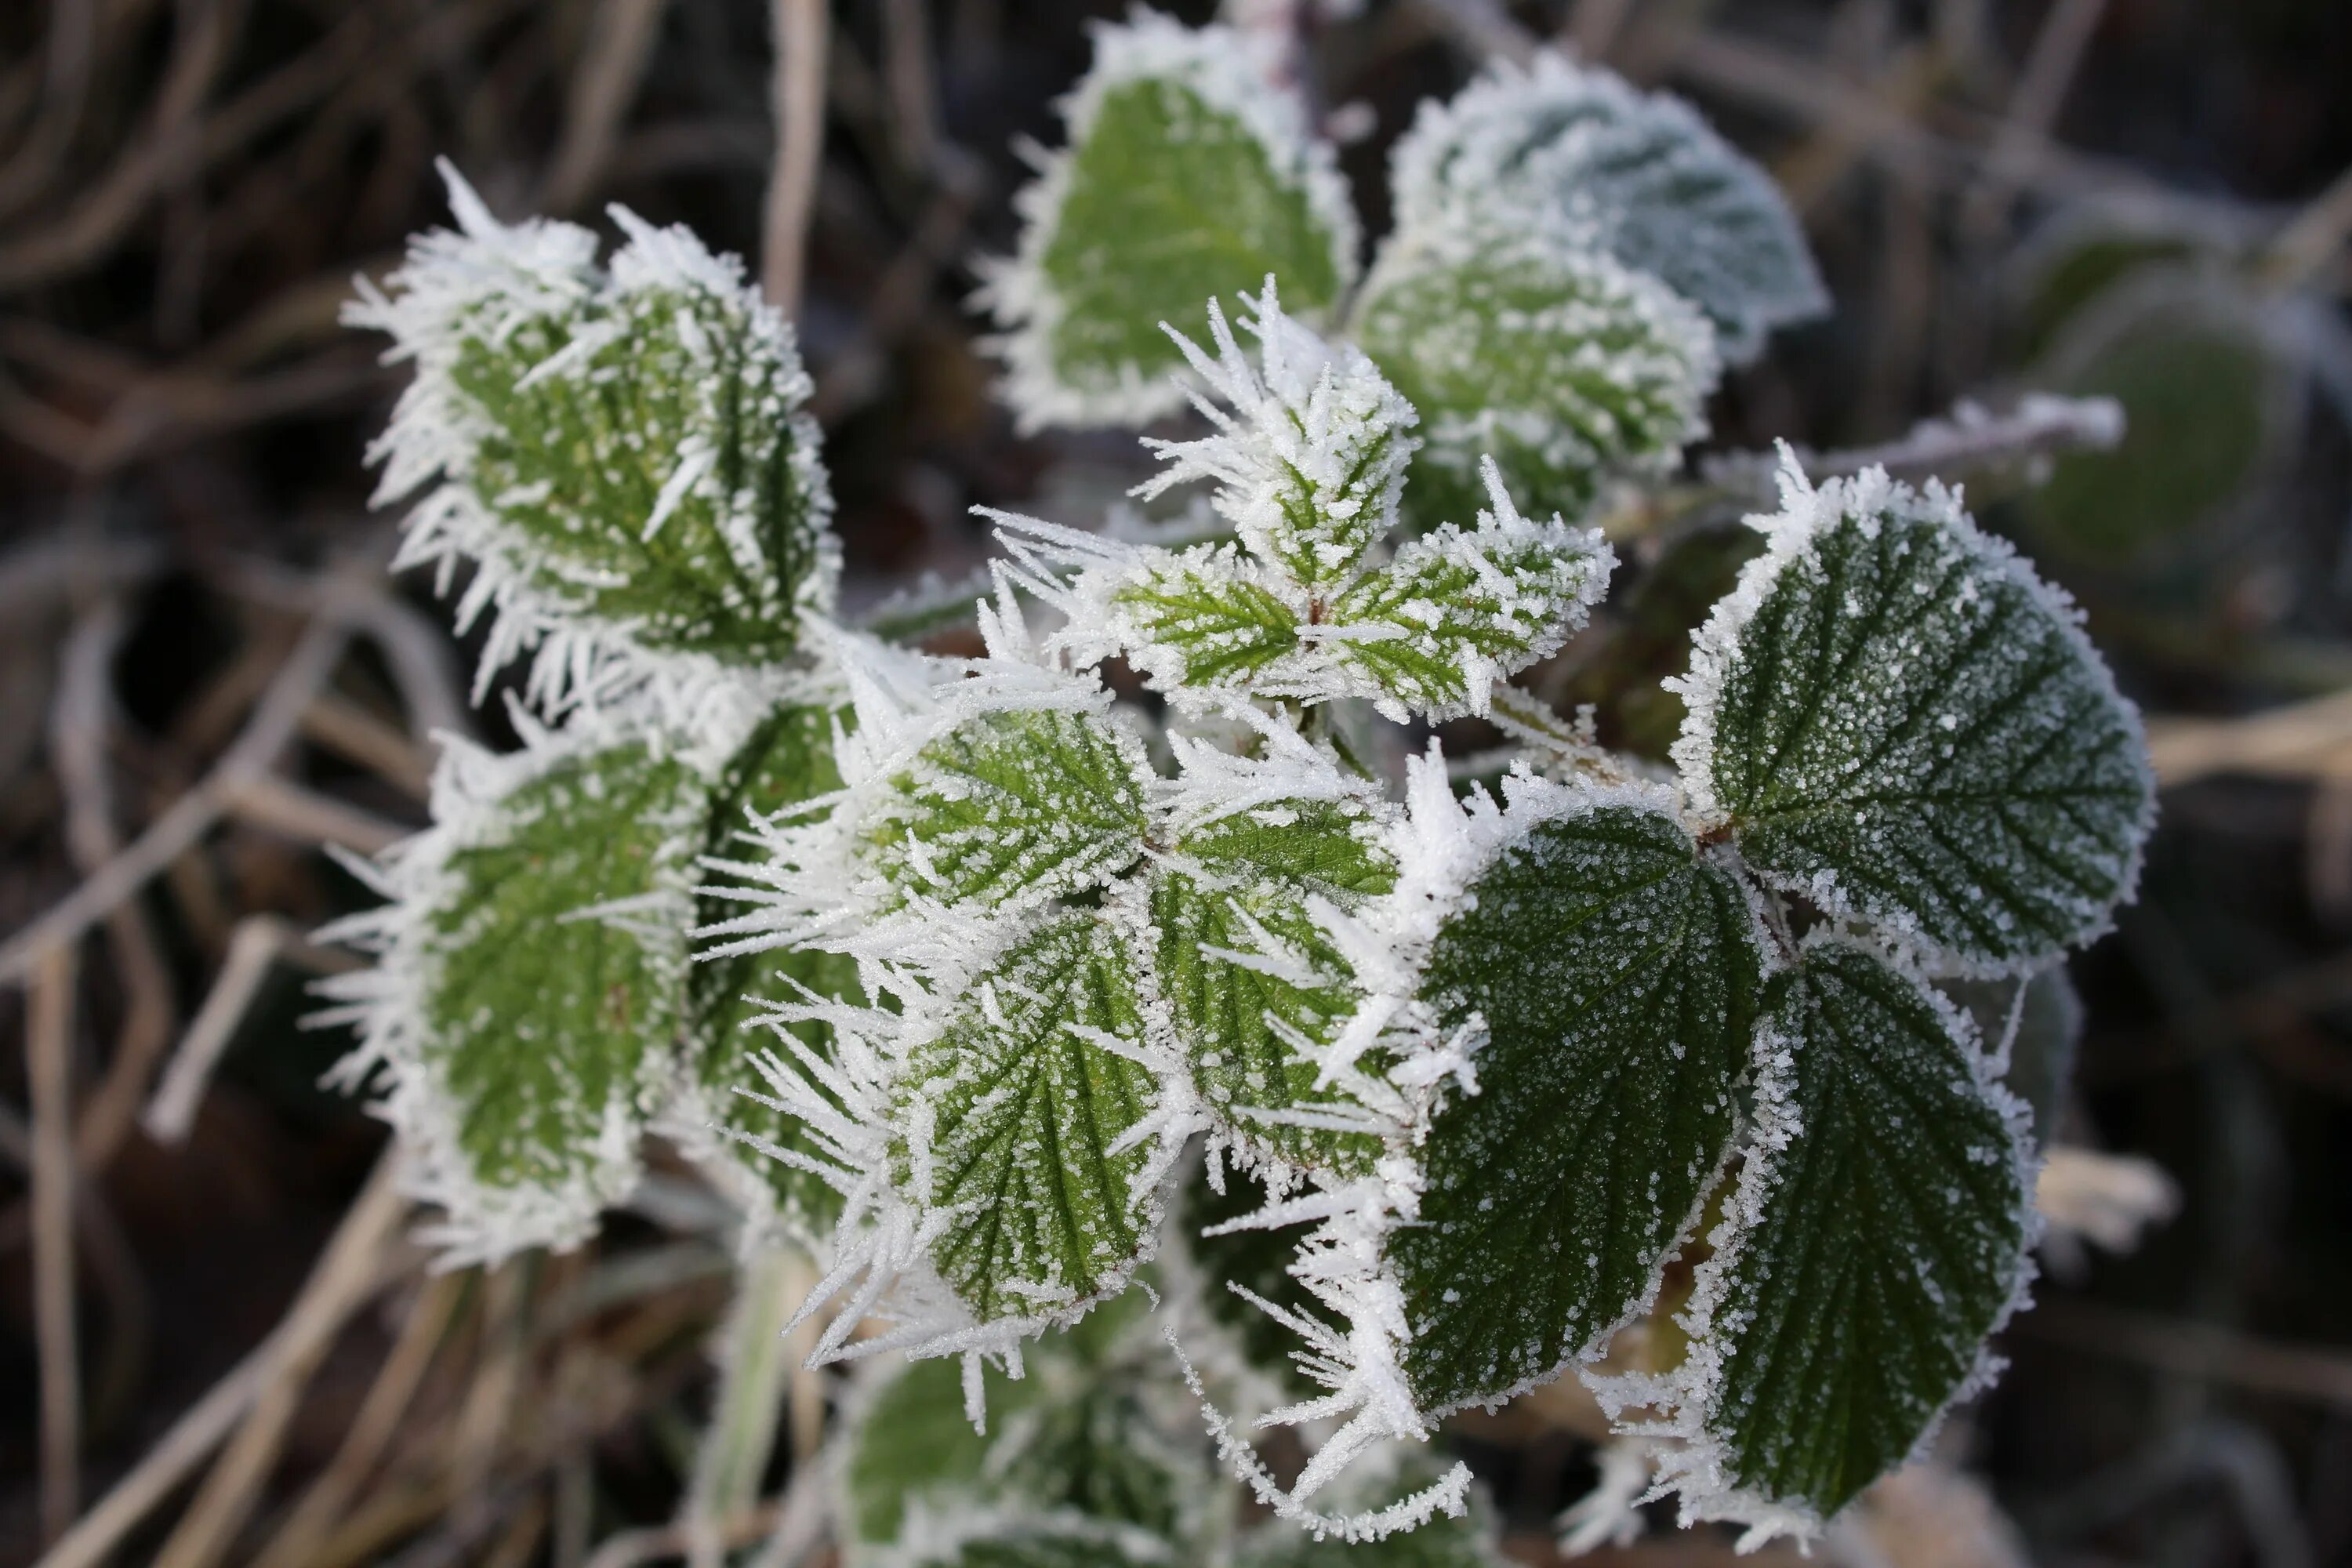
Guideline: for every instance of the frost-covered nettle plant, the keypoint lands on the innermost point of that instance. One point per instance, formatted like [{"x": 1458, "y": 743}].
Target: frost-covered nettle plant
[{"x": 1435, "y": 1081}]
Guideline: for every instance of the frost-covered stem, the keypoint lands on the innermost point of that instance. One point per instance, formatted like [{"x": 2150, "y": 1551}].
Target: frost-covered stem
[
  {"x": 754, "y": 1364},
  {"x": 797, "y": 100},
  {"x": 1967, "y": 440}
]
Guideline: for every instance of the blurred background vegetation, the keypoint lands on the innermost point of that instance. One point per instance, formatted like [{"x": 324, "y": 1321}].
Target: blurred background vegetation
[{"x": 205, "y": 677}]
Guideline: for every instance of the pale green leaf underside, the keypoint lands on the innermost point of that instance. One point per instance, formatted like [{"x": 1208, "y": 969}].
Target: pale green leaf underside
[
  {"x": 1170, "y": 200},
  {"x": 1025, "y": 1106},
  {"x": 1241, "y": 1027},
  {"x": 1909, "y": 729},
  {"x": 787, "y": 759},
  {"x": 1209, "y": 610},
  {"x": 1892, "y": 1235},
  {"x": 1616, "y": 971},
  {"x": 1576, "y": 155},
  {"x": 1562, "y": 366},
  {"x": 545, "y": 1028},
  {"x": 1011, "y": 808},
  {"x": 1457, "y": 609},
  {"x": 577, "y": 464}
]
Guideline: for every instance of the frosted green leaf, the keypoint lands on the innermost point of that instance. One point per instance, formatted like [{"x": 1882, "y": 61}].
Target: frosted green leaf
[
  {"x": 1457, "y": 610},
  {"x": 1204, "y": 618},
  {"x": 1898, "y": 720},
  {"x": 531, "y": 988},
  {"x": 1442, "y": 1543},
  {"x": 787, "y": 759},
  {"x": 2210, "y": 409},
  {"x": 1026, "y": 1541},
  {"x": 1011, "y": 809},
  {"x": 1879, "y": 1237},
  {"x": 1253, "y": 983},
  {"x": 2033, "y": 1025},
  {"x": 1564, "y": 366},
  {"x": 1017, "y": 1117},
  {"x": 1190, "y": 174},
  {"x": 1575, "y": 155},
  {"x": 626, "y": 455},
  {"x": 1615, "y": 970}
]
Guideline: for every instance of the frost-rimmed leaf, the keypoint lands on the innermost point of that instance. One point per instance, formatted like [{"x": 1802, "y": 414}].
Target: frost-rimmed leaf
[
  {"x": 622, "y": 455},
  {"x": 1189, "y": 173},
  {"x": 524, "y": 1012},
  {"x": 785, "y": 762},
  {"x": 1900, "y": 722},
  {"x": 1207, "y": 619},
  {"x": 1010, "y": 808},
  {"x": 1255, "y": 986},
  {"x": 1575, "y": 154},
  {"x": 1458, "y": 609},
  {"x": 1610, "y": 970},
  {"x": 1565, "y": 366},
  {"x": 1030, "y": 1125},
  {"x": 1876, "y": 1238},
  {"x": 1311, "y": 446}
]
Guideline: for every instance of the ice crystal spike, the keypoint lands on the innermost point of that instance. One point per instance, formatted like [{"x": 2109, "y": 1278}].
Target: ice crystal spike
[
  {"x": 1576, "y": 156},
  {"x": 620, "y": 456},
  {"x": 1566, "y": 367},
  {"x": 1900, "y": 722},
  {"x": 1189, "y": 174}
]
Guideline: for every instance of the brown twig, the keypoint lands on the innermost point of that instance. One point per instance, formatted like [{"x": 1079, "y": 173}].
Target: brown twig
[
  {"x": 48, "y": 1050},
  {"x": 254, "y": 946},
  {"x": 797, "y": 100},
  {"x": 620, "y": 40}
]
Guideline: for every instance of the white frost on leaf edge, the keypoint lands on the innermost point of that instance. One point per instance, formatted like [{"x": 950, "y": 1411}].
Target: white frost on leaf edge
[
  {"x": 1808, "y": 510},
  {"x": 1487, "y": 120},
  {"x": 491, "y": 279},
  {"x": 1235, "y": 72},
  {"x": 1692, "y": 1463},
  {"x": 384, "y": 1004},
  {"x": 1442, "y": 846}
]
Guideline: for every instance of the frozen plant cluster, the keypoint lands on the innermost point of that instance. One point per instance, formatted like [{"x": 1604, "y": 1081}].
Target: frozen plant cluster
[{"x": 1397, "y": 1082}]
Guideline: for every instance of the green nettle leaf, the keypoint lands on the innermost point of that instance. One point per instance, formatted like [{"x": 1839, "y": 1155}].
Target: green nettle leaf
[
  {"x": 1251, "y": 981},
  {"x": 913, "y": 1438},
  {"x": 1456, "y": 610},
  {"x": 2210, "y": 407},
  {"x": 2040, "y": 1017},
  {"x": 1442, "y": 1543},
  {"x": 1011, "y": 808},
  {"x": 1020, "y": 1112},
  {"x": 1615, "y": 969},
  {"x": 1880, "y": 1237},
  {"x": 1042, "y": 1541},
  {"x": 1574, "y": 154},
  {"x": 1189, "y": 174},
  {"x": 788, "y": 759},
  {"x": 1898, "y": 720},
  {"x": 546, "y": 1027},
  {"x": 1206, "y": 618},
  {"x": 1563, "y": 365}
]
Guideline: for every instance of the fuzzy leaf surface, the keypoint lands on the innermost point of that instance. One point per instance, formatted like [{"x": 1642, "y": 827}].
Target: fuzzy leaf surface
[
  {"x": 1455, "y": 610},
  {"x": 665, "y": 479},
  {"x": 1886, "y": 1235},
  {"x": 1616, "y": 971},
  {"x": 1023, "y": 1105},
  {"x": 1574, "y": 153},
  {"x": 1902, "y": 723},
  {"x": 1011, "y": 808},
  {"x": 1242, "y": 1024},
  {"x": 788, "y": 759},
  {"x": 1563, "y": 365},
  {"x": 548, "y": 1030},
  {"x": 1205, "y": 619}
]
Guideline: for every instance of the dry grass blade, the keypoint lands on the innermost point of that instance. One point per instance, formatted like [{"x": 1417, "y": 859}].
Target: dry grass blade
[
  {"x": 797, "y": 100},
  {"x": 49, "y": 1067}
]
